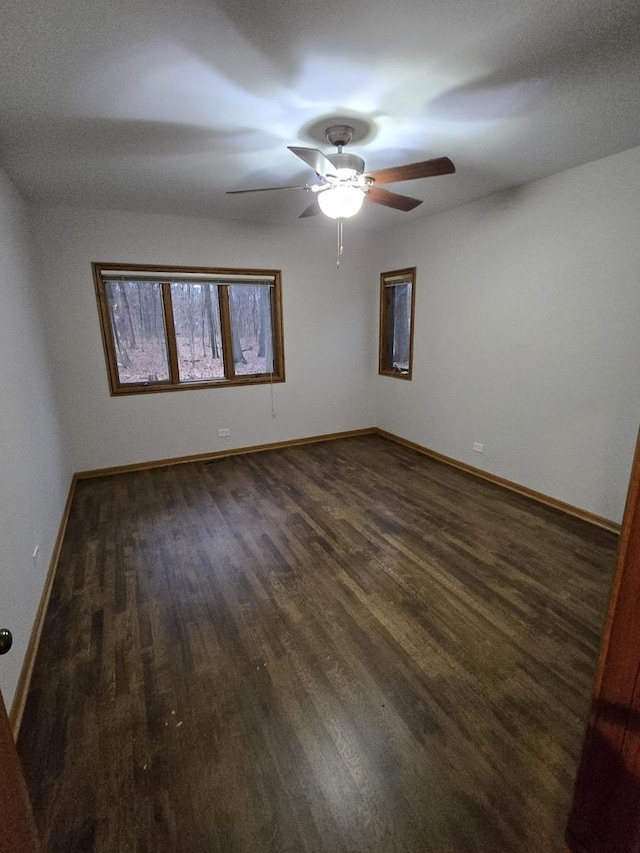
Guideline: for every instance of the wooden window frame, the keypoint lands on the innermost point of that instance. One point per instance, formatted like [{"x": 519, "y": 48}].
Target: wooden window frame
[
  {"x": 387, "y": 279},
  {"x": 174, "y": 383}
]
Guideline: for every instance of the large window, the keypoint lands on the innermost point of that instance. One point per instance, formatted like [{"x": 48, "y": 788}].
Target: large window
[
  {"x": 170, "y": 328},
  {"x": 397, "y": 298}
]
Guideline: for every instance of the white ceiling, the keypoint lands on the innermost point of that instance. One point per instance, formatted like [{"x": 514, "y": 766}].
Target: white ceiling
[{"x": 164, "y": 105}]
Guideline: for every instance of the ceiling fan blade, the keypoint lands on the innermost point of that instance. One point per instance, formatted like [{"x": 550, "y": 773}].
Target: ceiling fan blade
[
  {"x": 267, "y": 189},
  {"x": 312, "y": 210},
  {"x": 412, "y": 171},
  {"x": 316, "y": 159},
  {"x": 389, "y": 199}
]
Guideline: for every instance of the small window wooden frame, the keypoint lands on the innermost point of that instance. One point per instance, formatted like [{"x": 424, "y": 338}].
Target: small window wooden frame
[
  {"x": 223, "y": 278},
  {"x": 389, "y": 281}
]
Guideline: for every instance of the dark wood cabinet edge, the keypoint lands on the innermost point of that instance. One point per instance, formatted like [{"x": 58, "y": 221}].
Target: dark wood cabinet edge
[{"x": 588, "y": 778}]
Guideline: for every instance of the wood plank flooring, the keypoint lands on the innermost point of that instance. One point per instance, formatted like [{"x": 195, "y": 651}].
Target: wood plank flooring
[{"x": 341, "y": 648}]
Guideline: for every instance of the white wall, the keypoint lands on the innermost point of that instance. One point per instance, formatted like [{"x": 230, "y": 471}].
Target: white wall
[
  {"x": 528, "y": 333},
  {"x": 34, "y": 479},
  {"x": 329, "y": 346}
]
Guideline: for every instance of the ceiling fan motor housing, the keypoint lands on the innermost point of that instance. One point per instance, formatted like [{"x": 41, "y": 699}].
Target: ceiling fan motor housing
[{"x": 348, "y": 162}]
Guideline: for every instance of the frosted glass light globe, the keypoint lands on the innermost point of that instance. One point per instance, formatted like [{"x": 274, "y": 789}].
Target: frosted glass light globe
[{"x": 340, "y": 202}]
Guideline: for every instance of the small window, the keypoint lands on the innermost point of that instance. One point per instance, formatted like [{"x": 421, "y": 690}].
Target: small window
[
  {"x": 397, "y": 298},
  {"x": 171, "y": 328}
]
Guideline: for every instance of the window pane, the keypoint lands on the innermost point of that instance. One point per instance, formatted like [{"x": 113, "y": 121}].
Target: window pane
[
  {"x": 138, "y": 331},
  {"x": 166, "y": 328},
  {"x": 400, "y": 325},
  {"x": 396, "y": 322},
  {"x": 196, "y": 319},
  {"x": 251, "y": 329}
]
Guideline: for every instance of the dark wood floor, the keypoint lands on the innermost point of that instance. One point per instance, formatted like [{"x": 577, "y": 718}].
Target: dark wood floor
[{"x": 340, "y": 647}]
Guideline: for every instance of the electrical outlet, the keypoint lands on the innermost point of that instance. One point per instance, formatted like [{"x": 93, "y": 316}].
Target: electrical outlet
[
  {"x": 35, "y": 556},
  {"x": 479, "y": 448},
  {"x": 224, "y": 432}
]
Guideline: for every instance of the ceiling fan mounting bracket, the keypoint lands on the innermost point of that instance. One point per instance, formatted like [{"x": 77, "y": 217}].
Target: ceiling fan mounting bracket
[{"x": 339, "y": 134}]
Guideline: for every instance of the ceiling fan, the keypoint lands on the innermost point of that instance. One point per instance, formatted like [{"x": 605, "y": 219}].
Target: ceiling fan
[{"x": 343, "y": 185}]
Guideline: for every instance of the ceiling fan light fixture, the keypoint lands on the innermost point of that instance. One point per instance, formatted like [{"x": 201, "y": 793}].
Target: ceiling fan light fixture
[{"x": 341, "y": 202}]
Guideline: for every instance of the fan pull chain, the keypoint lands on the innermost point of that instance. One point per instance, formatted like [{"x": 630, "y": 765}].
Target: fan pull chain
[{"x": 340, "y": 241}]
